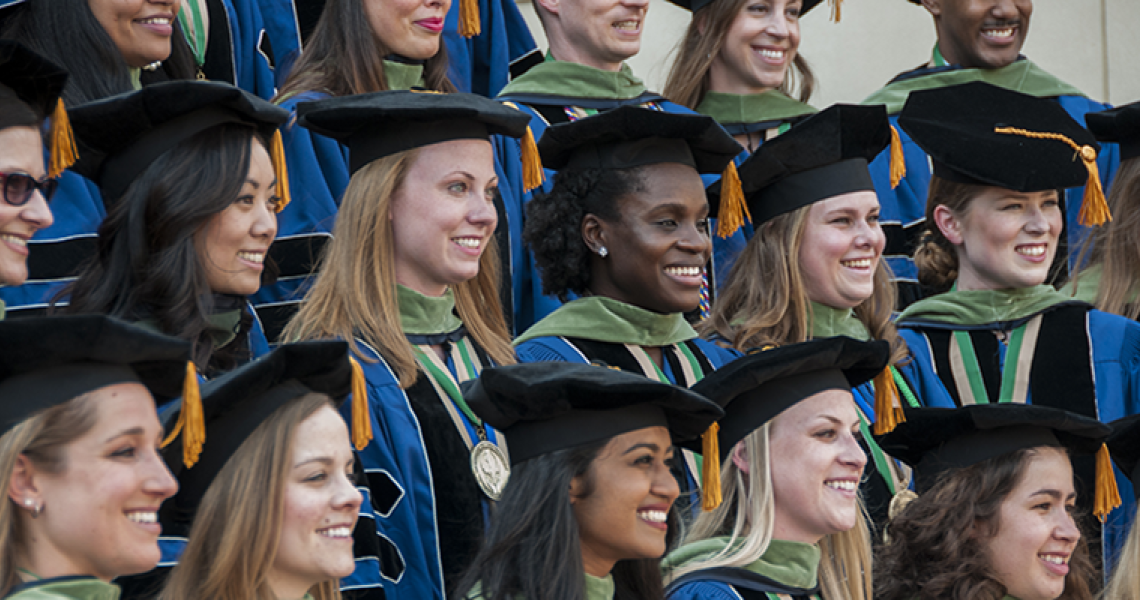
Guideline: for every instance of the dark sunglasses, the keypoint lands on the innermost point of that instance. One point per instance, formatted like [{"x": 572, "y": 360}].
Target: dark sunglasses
[{"x": 18, "y": 188}]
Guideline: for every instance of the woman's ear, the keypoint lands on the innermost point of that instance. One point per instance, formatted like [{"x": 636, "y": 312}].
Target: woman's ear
[
  {"x": 740, "y": 457},
  {"x": 577, "y": 488},
  {"x": 949, "y": 224},
  {"x": 22, "y": 484},
  {"x": 593, "y": 232}
]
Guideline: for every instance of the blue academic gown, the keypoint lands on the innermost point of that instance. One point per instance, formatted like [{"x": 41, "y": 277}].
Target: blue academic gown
[
  {"x": 1113, "y": 344},
  {"x": 527, "y": 303},
  {"x": 903, "y": 209}
]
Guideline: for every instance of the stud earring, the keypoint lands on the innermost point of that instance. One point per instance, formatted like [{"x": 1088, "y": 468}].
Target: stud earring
[
  {"x": 28, "y": 502},
  {"x": 602, "y": 252}
]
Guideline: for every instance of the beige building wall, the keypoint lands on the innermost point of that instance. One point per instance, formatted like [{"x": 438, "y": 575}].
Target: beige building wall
[{"x": 1092, "y": 44}]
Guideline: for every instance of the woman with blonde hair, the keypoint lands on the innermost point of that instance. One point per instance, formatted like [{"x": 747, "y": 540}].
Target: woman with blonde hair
[
  {"x": 819, "y": 246},
  {"x": 79, "y": 452},
  {"x": 1112, "y": 252},
  {"x": 410, "y": 281},
  {"x": 790, "y": 521},
  {"x": 268, "y": 501},
  {"x": 999, "y": 332}
]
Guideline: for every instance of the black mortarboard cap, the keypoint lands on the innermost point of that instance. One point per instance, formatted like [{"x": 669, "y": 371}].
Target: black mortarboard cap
[
  {"x": 632, "y": 136},
  {"x": 235, "y": 404},
  {"x": 1124, "y": 445},
  {"x": 695, "y": 5},
  {"x": 383, "y": 123},
  {"x": 935, "y": 441},
  {"x": 549, "y": 406},
  {"x": 823, "y": 156},
  {"x": 33, "y": 78},
  {"x": 756, "y": 388},
  {"x": 120, "y": 136},
  {"x": 1120, "y": 125},
  {"x": 46, "y": 361}
]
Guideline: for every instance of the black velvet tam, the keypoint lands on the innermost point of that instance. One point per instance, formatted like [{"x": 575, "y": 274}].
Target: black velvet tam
[
  {"x": 695, "y": 5},
  {"x": 33, "y": 78},
  {"x": 383, "y": 123},
  {"x": 235, "y": 404},
  {"x": 756, "y": 388},
  {"x": 937, "y": 440},
  {"x": 548, "y": 406},
  {"x": 1124, "y": 444},
  {"x": 956, "y": 127},
  {"x": 824, "y": 156},
  {"x": 120, "y": 136},
  {"x": 1120, "y": 125},
  {"x": 46, "y": 361},
  {"x": 632, "y": 136}
]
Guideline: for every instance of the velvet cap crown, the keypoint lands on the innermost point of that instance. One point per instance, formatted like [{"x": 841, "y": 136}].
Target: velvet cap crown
[
  {"x": 632, "y": 136},
  {"x": 237, "y": 403},
  {"x": 46, "y": 361},
  {"x": 548, "y": 406},
  {"x": 695, "y": 5},
  {"x": 823, "y": 156},
  {"x": 937, "y": 440},
  {"x": 756, "y": 388},
  {"x": 1124, "y": 445},
  {"x": 955, "y": 126},
  {"x": 383, "y": 123},
  {"x": 120, "y": 136},
  {"x": 1120, "y": 125},
  {"x": 34, "y": 79}
]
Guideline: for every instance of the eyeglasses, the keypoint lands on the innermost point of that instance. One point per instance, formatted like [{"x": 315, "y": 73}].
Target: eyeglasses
[{"x": 18, "y": 188}]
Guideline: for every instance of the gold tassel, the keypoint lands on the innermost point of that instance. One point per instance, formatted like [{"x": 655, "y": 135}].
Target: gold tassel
[
  {"x": 1107, "y": 495},
  {"x": 835, "y": 10},
  {"x": 888, "y": 410},
  {"x": 898, "y": 160},
  {"x": 733, "y": 213},
  {"x": 361, "y": 421},
  {"x": 533, "y": 176},
  {"x": 469, "y": 25},
  {"x": 710, "y": 475},
  {"x": 277, "y": 154},
  {"x": 191, "y": 420},
  {"x": 1094, "y": 208},
  {"x": 62, "y": 141}
]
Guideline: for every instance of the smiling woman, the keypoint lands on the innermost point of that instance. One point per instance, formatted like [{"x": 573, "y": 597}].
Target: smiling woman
[
  {"x": 186, "y": 170},
  {"x": 78, "y": 452}
]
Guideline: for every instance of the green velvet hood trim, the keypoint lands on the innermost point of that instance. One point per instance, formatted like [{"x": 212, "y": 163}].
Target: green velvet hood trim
[
  {"x": 3, "y": 309},
  {"x": 607, "y": 320},
  {"x": 599, "y": 588},
  {"x": 85, "y": 588},
  {"x": 828, "y": 322},
  {"x": 425, "y": 315},
  {"x": 221, "y": 326},
  {"x": 400, "y": 76},
  {"x": 1086, "y": 285},
  {"x": 981, "y": 307},
  {"x": 1022, "y": 76},
  {"x": 573, "y": 80},
  {"x": 793, "y": 564},
  {"x": 772, "y": 105}
]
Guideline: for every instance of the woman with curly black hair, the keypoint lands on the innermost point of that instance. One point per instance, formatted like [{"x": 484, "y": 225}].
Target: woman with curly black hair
[
  {"x": 186, "y": 169},
  {"x": 994, "y": 517},
  {"x": 625, "y": 230}
]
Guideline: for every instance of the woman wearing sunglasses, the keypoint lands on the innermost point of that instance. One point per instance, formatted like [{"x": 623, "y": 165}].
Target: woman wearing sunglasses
[{"x": 29, "y": 91}]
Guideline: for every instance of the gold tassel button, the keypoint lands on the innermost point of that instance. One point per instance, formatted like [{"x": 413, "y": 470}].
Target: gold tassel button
[
  {"x": 361, "y": 420},
  {"x": 733, "y": 213},
  {"x": 1094, "y": 207},
  {"x": 1107, "y": 495},
  {"x": 888, "y": 409},
  {"x": 277, "y": 155},
  {"x": 62, "y": 142},
  {"x": 710, "y": 470},
  {"x": 469, "y": 25},
  {"x": 898, "y": 159}
]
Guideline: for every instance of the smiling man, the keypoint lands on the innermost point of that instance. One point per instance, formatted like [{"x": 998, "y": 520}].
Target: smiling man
[
  {"x": 584, "y": 73},
  {"x": 978, "y": 40}
]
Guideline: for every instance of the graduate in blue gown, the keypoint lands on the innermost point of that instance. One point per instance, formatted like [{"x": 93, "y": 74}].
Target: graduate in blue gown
[
  {"x": 963, "y": 54},
  {"x": 194, "y": 192},
  {"x": 410, "y": 280},
  {"x": 999, "y": 332}
]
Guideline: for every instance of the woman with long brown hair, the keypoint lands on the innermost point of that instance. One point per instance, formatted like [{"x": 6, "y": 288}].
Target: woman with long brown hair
[{"x": 411, "y": 282}]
